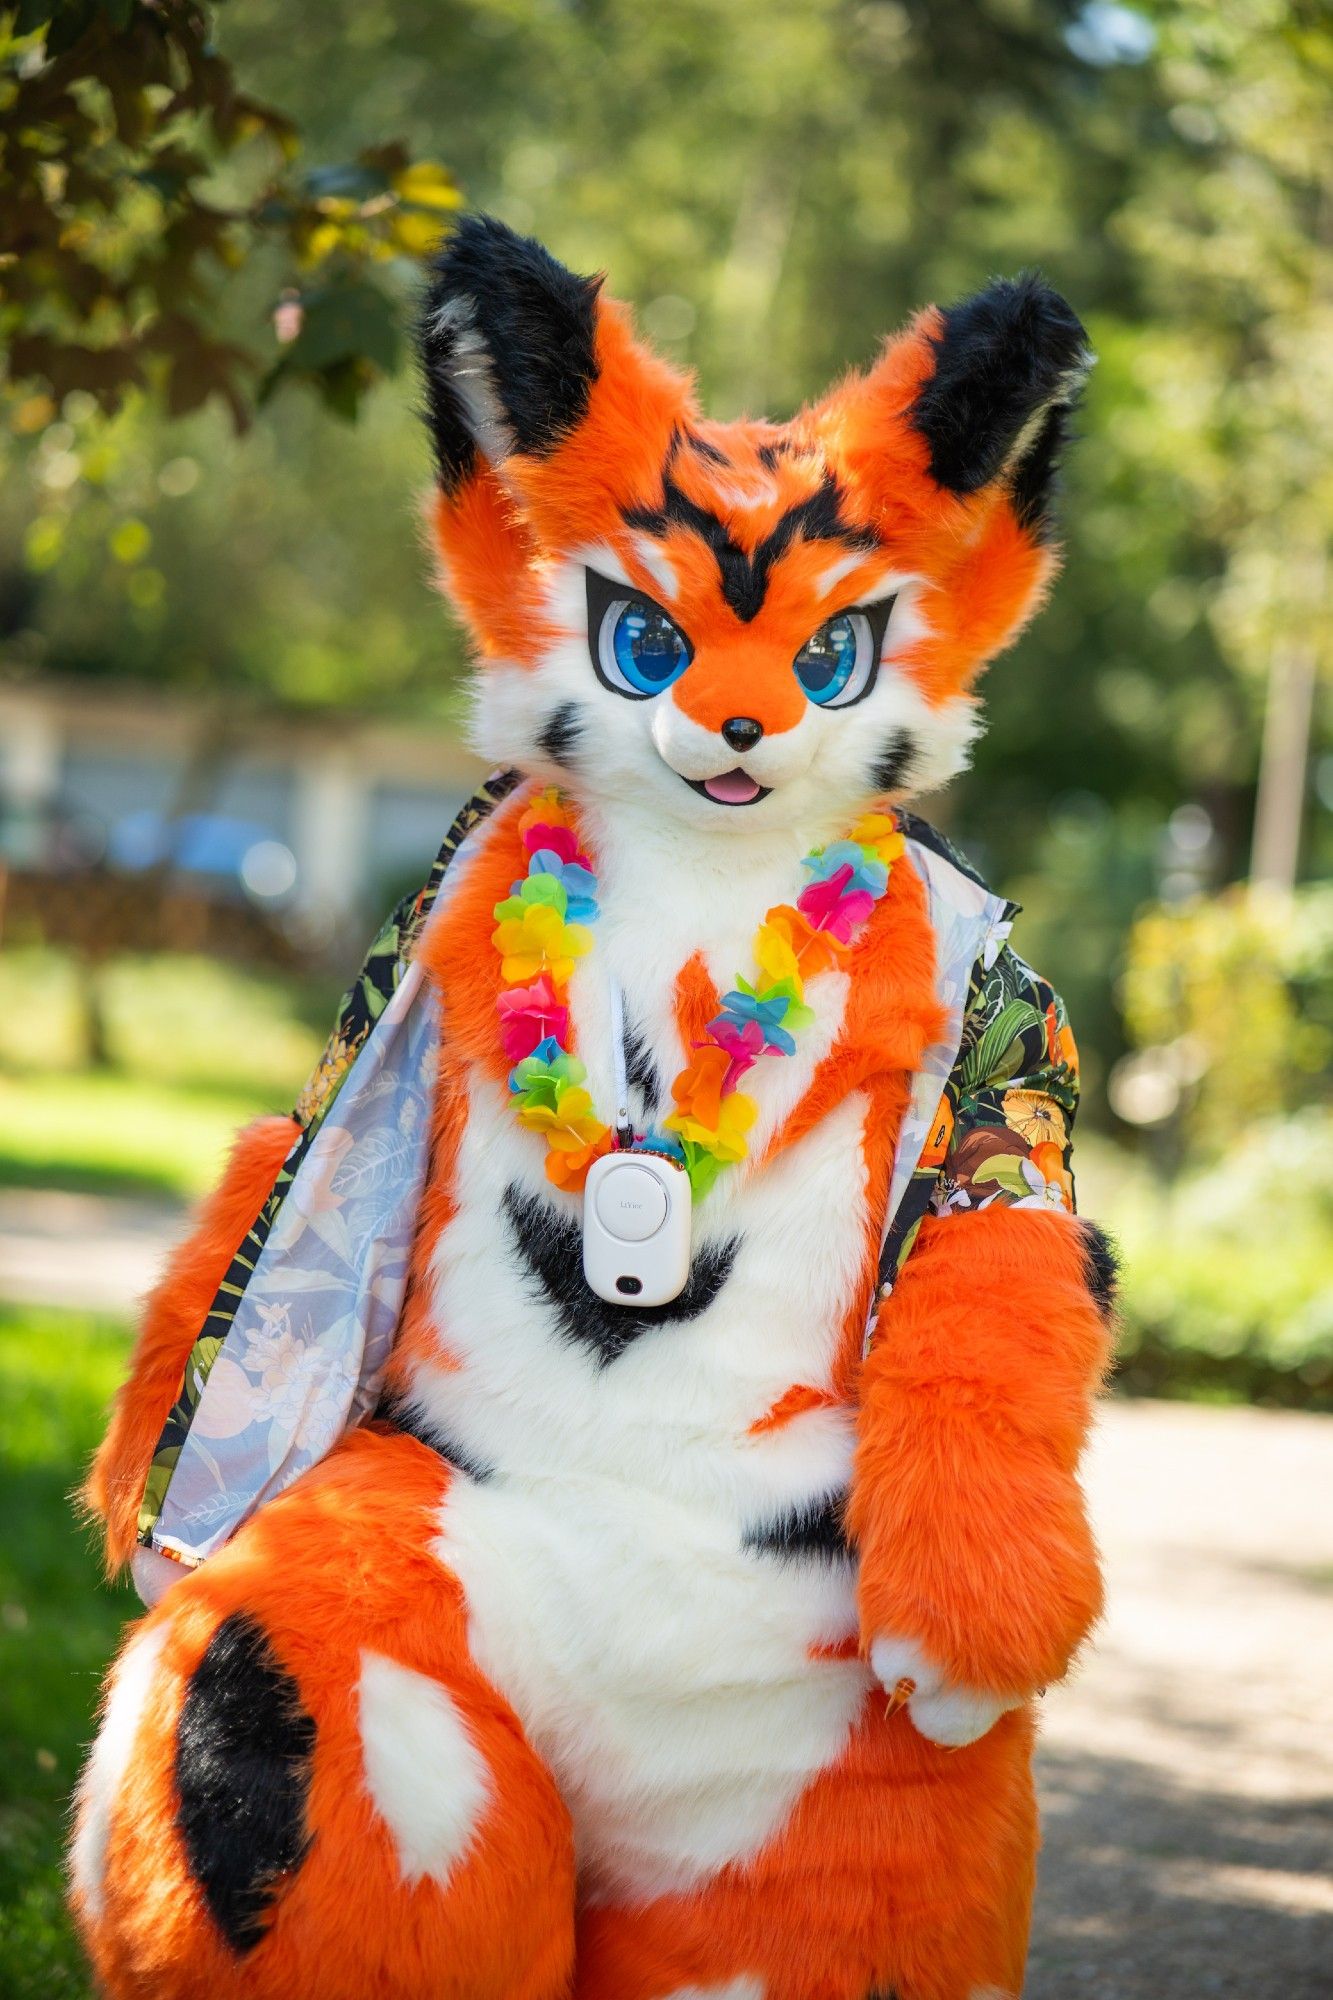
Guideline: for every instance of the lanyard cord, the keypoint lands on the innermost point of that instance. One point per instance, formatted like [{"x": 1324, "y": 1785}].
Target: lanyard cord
[{"x": 624, "y": 1128}]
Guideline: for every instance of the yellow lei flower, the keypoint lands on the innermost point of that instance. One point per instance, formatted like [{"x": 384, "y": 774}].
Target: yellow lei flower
[
  {"x": 539, "y": 941},
  {"x": 777, "y": 959},
  {"x": 878, "y": 832},
  {"x": 569, "y": 1123},
  {"x": 728, "y": 1143}
]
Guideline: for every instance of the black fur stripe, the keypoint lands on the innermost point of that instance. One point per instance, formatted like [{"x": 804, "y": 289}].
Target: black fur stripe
[
  {"x": 243, "y": 1750},
  {"x": 406, "y": 1417},
  {"x": 814, "y": 1528},
  {"x": 642, "y": 1073},
  {"x": 551, "y": 1245},
  {"x": 817, "y": 518},
  {"x": 559, "y": 735},
  {"x": 705, "y": 448},
  {"x": 1101, "y": 1265},
  {"x": 892, "y": 768}
]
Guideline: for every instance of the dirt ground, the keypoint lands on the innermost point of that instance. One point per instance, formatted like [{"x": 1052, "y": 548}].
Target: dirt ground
[{"x": 1187, "y": 1769}]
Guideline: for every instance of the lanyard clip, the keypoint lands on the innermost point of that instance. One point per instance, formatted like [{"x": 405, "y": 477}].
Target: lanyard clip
[{"x": 624, "y": 1128}]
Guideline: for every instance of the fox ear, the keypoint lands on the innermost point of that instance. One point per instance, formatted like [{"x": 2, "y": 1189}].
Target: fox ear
[
  {"x": 1009, "y": 364},
  {"x": 507, "y": 340}
]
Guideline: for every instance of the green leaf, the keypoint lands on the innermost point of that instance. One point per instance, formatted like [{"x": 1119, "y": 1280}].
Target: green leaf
[
  {"x": 1005, "y": 1169},
  {"x": 342, "y": 387},
  {"x": 347, "y": 322},
  {"x": 994, "y": 1058}
]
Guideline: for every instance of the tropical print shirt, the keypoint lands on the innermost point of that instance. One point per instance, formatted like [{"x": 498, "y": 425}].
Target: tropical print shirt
[{"x": 1000, "y": 1134}]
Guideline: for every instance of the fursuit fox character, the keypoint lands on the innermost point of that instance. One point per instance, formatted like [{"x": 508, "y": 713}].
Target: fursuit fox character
[{"x": 640, "y": 1513}]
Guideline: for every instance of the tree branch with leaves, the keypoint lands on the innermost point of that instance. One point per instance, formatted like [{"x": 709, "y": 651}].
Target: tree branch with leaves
[{"x": 136, "y": 175}]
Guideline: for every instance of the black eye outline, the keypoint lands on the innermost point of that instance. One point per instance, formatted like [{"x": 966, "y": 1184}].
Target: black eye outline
[
  {"x": 604, "y": 597},
  {"x": 877, "y": 617}
]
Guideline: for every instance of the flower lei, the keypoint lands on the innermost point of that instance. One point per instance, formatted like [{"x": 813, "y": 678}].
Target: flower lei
[{"x": 542, "y": 928}]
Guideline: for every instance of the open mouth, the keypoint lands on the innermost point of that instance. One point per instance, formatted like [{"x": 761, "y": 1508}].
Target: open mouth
[{"x": 733, "y": 788}]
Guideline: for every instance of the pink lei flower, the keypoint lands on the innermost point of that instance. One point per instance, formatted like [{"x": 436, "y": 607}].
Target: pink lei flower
[
  {"x": 743, "y": 1043},
  {"x": 528, "y": 1014},
  {"x": 561, "y": 840},
  {"x": 835, "y": 906}
]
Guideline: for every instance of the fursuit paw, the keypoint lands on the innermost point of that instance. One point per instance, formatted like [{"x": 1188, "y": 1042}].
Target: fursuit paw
[
  {"x": 153, "y": 1575},
  {"x": 945, "y": 1712}
]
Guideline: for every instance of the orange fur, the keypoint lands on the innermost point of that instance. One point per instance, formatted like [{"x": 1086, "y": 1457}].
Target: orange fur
[
  {"x": 613, "y": 458},
  {"x": 984, "y": 573},
  {"x": 904, "y": 1869},
  {"x": 976, "y": 1401},
  {"x": 419, "y": 1336},
  {"x": 793, "y": 1403},
  {"x": 172, "y": 1318},
  {"x": 486, "y": 553},
  {"x": 317, "y": 1572},
  {"x": 458, "y": 955},
  {"x": 697, "y": 1001}
]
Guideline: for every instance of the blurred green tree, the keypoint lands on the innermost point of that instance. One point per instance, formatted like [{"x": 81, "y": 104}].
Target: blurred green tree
[
  {"x": 774, "y": 187},
  {"x": 130, "y": 163}
]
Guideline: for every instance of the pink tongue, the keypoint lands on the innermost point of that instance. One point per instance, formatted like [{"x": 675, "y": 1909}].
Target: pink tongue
[{"x": 733, "y": 788}]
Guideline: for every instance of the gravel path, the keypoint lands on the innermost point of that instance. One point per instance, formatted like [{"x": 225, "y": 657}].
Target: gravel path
[
  {"x": 93, "y": 1252},
  {"x": 1186, "y": 1770}
]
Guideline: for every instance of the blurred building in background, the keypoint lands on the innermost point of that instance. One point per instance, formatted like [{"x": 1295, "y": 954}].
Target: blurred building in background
[{"x": 314, "y": 822}]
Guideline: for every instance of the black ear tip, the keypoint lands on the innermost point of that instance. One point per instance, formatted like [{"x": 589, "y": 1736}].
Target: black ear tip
[
  {"x": 464, "y": 249},
  {"x": 1054, "y": 327},
  {"x": 1013, "y": 351},
  {"x": 508, "y": 342},
  {"x": 485, "y": 257},
  {"x": 1023, "y": 320}
]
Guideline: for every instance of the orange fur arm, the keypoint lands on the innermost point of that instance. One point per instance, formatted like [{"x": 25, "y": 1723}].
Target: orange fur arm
[
  {"x": 175, "y": 1311},
  {"x": 976, "y": 1400}
]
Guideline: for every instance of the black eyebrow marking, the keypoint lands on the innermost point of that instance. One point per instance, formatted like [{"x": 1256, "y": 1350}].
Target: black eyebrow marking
[
  {"x": 705, "y": 448},
  {"x": 817, "y": 518}
]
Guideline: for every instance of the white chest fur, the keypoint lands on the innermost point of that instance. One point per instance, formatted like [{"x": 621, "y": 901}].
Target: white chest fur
[{"x": 612, "y": 1550}]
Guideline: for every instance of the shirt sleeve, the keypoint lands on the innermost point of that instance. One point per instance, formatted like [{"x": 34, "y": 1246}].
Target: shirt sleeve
[{"x": 1005, "y": 1126}]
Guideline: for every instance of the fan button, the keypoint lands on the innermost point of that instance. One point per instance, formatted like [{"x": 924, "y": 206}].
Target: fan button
[{"x": 631, "y": 1204}]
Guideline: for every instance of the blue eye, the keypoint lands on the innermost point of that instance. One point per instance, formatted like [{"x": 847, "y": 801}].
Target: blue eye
[
  {"x": 639, "y": 650},
  {"x": 837, "y": 665}
]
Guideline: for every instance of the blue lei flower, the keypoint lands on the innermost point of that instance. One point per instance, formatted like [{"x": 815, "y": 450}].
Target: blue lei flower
[
  {"x": 579, "y": 884},
  {"x": 869, "y": 874},
  {"x": 767, "y": 1015}
]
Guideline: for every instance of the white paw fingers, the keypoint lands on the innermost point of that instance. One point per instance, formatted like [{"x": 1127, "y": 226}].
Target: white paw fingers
[{"x": 944, "y": 1712}]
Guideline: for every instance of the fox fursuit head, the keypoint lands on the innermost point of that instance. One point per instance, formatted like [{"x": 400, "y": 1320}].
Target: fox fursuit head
[{"x": 689, "y": 1650}]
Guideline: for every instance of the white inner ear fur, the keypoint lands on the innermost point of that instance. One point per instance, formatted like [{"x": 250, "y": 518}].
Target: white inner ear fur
[
  {"x": 470, "y": 370},
  {"x": 1068, "y": 387}
]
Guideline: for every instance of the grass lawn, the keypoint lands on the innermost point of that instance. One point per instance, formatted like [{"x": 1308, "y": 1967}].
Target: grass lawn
[
  {"x": 58, "y": 1625},
  {"x": 197, "y": 1050},
  {"x": 108, "y": 1133}
]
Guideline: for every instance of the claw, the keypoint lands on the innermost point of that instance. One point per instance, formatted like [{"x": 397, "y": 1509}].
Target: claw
[{"x": 900, "y": 1694}]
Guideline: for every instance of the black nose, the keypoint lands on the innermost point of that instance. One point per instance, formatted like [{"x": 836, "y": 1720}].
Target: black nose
[{"x": 742, "y": 732}]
